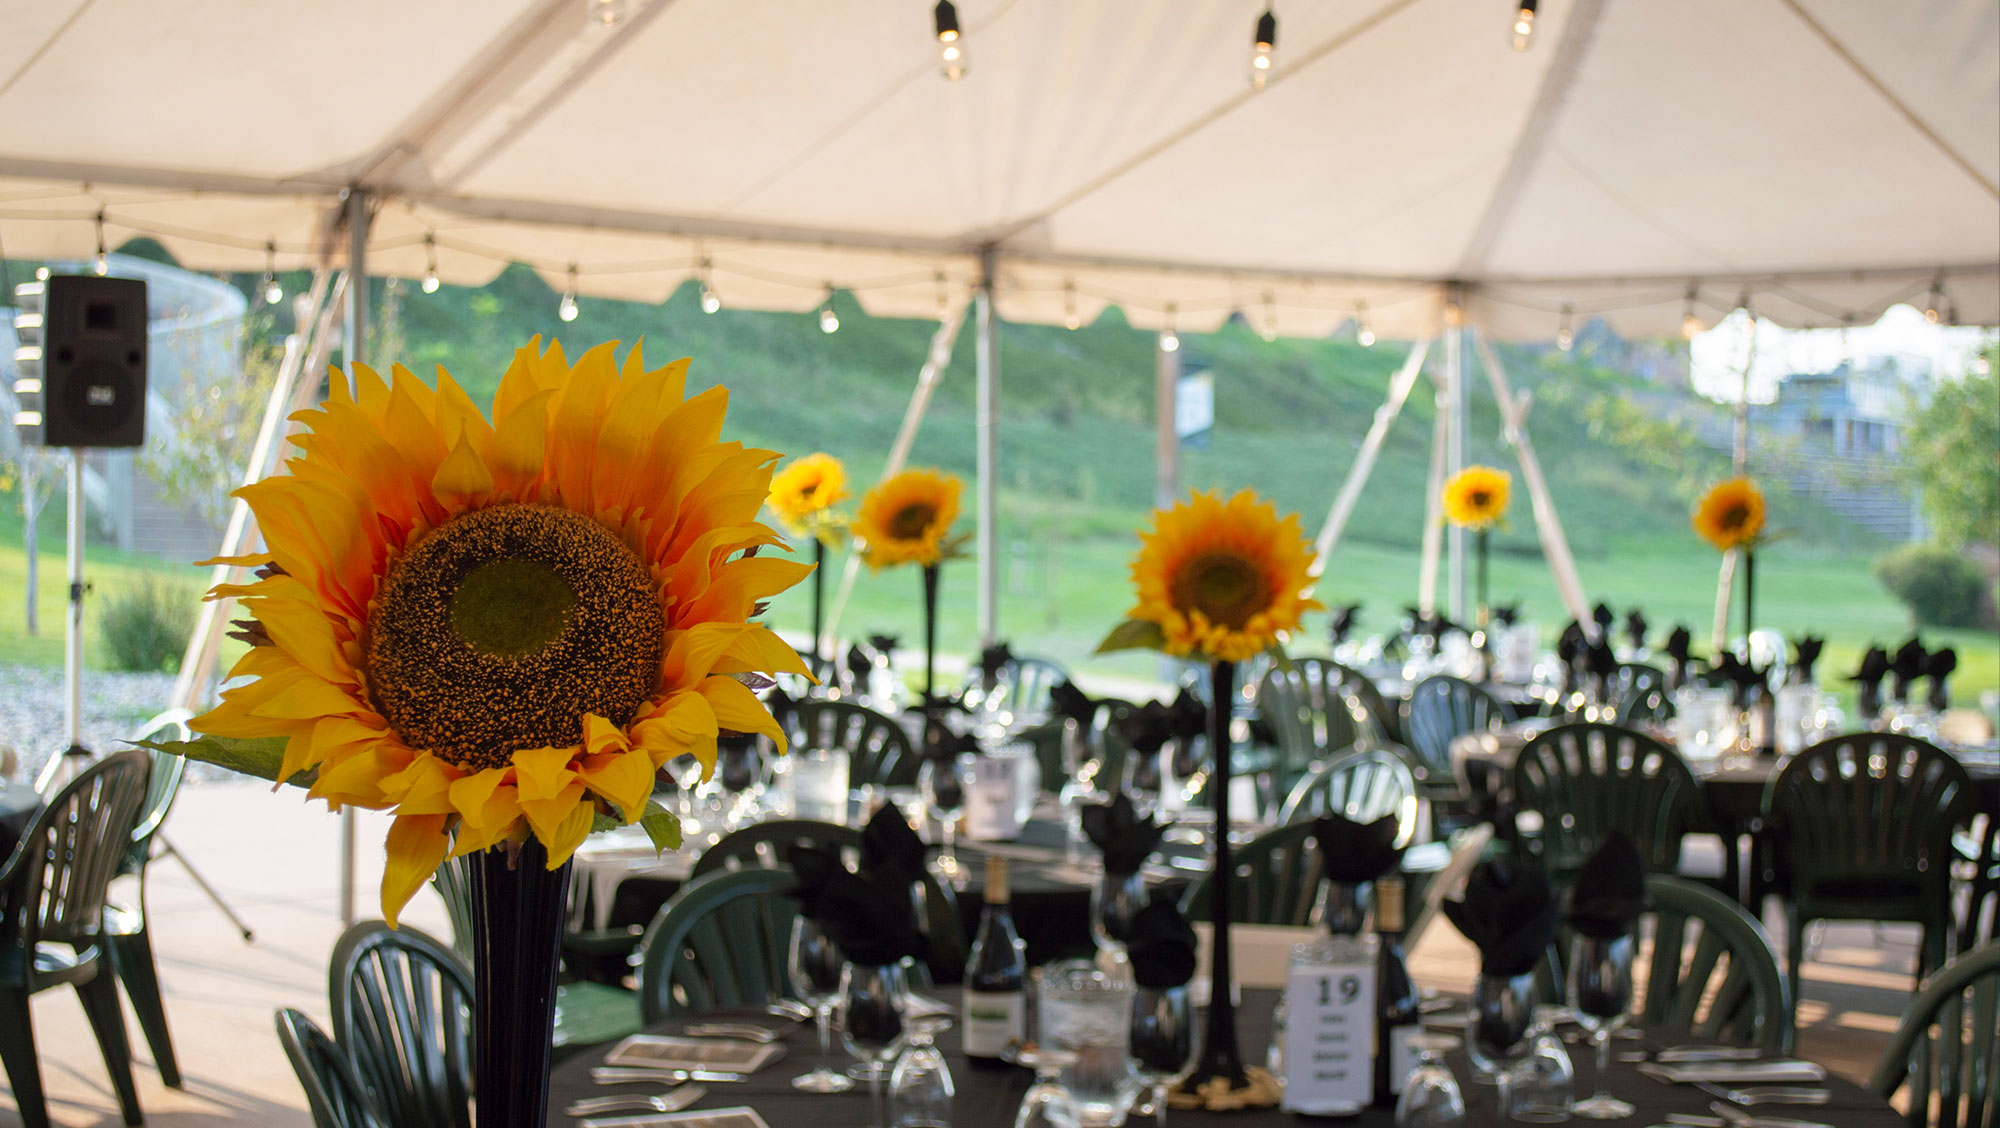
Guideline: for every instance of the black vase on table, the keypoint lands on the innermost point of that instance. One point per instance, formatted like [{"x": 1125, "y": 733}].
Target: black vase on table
[
  {"x": 1221, "y": 1054},
  {"x": 517, "y": 916}
]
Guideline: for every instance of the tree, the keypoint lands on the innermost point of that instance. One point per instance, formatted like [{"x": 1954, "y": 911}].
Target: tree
[{"x": 1953, "y": 453}]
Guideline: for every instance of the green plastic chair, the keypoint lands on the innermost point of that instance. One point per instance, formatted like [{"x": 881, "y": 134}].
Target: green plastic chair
[
  {"x": 1587, "y": 780},
  {"x": 1713, "y": 971},
  {"x": 1023, "y": 685},
  {"x": 1312, "y": 713},
  {"x": 402, "y": 1009},
  {"x": 453, "y": 882},
  {"x": 1639, "y": 693},
  {"x": 1363, "y": 786},
  {"x": 52, "y": 923},
  {"x": 720, "y": 943},
  {"x": 333, "y": 1093},
  {"x": 125, "y": 924},
  {"x": 1385, "y": 717},
  {"x": 1865, "y": 823},
  {"x": 1947, "y": 1048},
  {"x": 1277, "y": 880},
  {"x": 1442, "y": 709},
  {"x": 1981, "y": 922},
  {"x": 878, "y": 749}
]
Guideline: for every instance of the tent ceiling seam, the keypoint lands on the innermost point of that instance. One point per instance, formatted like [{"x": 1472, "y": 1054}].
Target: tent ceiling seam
[
  {"x": 1905, "y": 109},
  {"x": 55, "y": 36}
]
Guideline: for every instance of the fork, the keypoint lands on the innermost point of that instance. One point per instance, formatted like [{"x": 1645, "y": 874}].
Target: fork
[
  {"x": 1766, "y": 1094},
  {"x": 673, "y": 1100}
]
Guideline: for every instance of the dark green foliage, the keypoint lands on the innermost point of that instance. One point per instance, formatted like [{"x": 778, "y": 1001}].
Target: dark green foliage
[
  {"x": 146, "y": 623},
  {"x": 1940, "y": 587}
]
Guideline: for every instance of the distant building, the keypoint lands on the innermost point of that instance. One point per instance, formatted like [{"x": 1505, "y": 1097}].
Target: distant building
[{"x": 1849, "y": 412}]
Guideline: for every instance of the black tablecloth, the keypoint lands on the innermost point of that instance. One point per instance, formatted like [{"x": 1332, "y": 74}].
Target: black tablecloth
[
  {"x": 18, "y": 807},
  {"x": 991, "y": 1097}
]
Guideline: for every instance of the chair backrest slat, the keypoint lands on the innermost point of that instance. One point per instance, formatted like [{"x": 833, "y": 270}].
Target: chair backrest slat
[
  {"x": 1363, "y": 786},
  {"x": 1441, "y": 709},
  {"x": 334, "y": 1094},
  {"x": 720, "y": 942},
  {"x": 402, "y": 1009},
  {"x": 72, "y": 850},
  {"x": 878, "y": 749},
  {"x": 1699, "y": 934},
  {"x": 1947, "y": 1047},
  {"x": 1870, "y": 805},
  {"x": 764, "y": 844},
  {"x": 1587, "y": 780}
]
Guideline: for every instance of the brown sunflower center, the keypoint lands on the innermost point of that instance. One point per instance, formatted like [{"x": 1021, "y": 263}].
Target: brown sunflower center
[
  {"x": 1735, "y": 517},
  {"x": 912, "y": 521},
  {"x": 807, "y": 490},
  {"x": 1480, "y": 499},
  {"x": 503, "y": 627},
  {"x": 1223, "y": 586}
]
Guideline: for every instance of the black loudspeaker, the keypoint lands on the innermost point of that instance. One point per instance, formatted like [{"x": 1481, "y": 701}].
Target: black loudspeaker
[{"x": 93, "y": 362}]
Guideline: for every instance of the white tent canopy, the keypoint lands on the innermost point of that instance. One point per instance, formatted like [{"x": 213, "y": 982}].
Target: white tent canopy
[{"x": 1821, "y": 158}]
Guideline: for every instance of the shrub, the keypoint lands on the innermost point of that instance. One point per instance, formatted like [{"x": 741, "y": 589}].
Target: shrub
[
  {"x": 146, "y": 623},
  {"x": 1940, "y": 587}
]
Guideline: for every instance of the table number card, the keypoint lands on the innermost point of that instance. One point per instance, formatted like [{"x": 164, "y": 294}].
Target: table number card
[
  {"x": 991, "y": 811},
  {"x": 1329, "y": 1035}
]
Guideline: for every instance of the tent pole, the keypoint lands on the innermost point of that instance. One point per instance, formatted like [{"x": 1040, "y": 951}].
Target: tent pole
[
  {"x": 988, "y": 419},
  {"x": 355, "y": 342},
  {"x": 1434, "y": 502},
  {"x": 1364, "y": 459},
  {"x": 935, "y": 362},
  {"x": 1459, "y": 389},
  {"x": 1725, "y": 583},
  {"x": 1166, "y": 431},
  {"x": 1555, "y": 545}
]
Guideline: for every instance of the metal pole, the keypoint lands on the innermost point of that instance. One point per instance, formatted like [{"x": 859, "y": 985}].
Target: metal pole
[
  {"x": 1459, "y": 454},
  {"x": 988, "y": 421},
  {"x": 1166, "y": 437},
  {"x": 356, "y": 337},
  {"x": 1555, "y": 545},
  {"x": 73, "y": 633},
  {"x": 1364, "y": 459}
]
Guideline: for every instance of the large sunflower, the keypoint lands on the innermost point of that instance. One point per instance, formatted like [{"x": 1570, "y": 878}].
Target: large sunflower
[
  {"x": 907, "y": 519},
  {"x": 1217, "y": 580},
  {"x": 504, "y": 628},
  {"x": 1476, "y": 496},
  {"x": 803, "y": 492},
  {"x": 1731, "y": 515}
]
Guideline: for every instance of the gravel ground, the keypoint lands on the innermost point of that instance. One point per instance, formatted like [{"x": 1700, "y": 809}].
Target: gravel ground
[{"x": 34, "y": 721}]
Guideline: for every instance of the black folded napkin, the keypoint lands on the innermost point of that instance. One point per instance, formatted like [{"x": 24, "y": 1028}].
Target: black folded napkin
[
  {"x": 1509, "y": 915},
  {"x": 1868, "y": 681},
  {"x": 1805, "y": 655},
  {"x": 883, "y": 644},
  {"x": 860, "y": 663},
  {"x": 1161, "y": 944},
  {"x": 813, "y": 868},
  {"x": 1148, "y": 727},
  {"x": 1610, "y": 890},
  {"x": 1343, "y": 622},
  {"x": 1571, "y": 646},
  {"x": 1745, "y": 681},
  {"x": 1602, "y": 616},
  {"x": 1067, "y": 702},
  {"x": 1938, "y": 668},
  {"x": 890, "y": 849},
  {"x": 1506, "y": 614},
  {"x": 871, "y": 917},
  {"x": 1679, "y": 642},
  {"x": 1600, "y": 659},
  {"x": 1635, "y": 628},
  {"x": 1905, "y": 668},
  {"x": 1352, "y": 853},
  {"x": 992, "y": 660},
  {"x": 1125, "y": 839}
]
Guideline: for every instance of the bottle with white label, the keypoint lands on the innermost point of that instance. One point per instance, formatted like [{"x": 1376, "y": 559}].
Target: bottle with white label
[
  {"x": 995, "y": 977},
  {"x": 1396, "y": 1009},
  {"x": 1330, "y": 1014}
]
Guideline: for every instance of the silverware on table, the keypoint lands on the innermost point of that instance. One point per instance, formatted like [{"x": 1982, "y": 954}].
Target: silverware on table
[
  {"x": 742, "y": 1030},
  {"x": 788, "y": 1008},
  {"x": 1738, "y": 1118},
  {"x": 673, "y": 1100},
  {"x": 1674, "y": 1054},
  {"x": 1766, "y": 1094},
  {"x": 626, "y": 1075}
]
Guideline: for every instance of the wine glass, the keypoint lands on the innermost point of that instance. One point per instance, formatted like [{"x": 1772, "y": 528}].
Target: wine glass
[
  {"x": 1162, "y": 1040},
  {"x": 1143, "y": 777},
  {"x": 1047, "y": 1104},
  {"x": 1600, "y": 990},
  {"x": 1431, "y": 1097},
  {"x": 814, "y": 964},
  {"x": 871, "y": 1028},
  {"x": 1114, "y": 901},
  {"x": 1543, "y": 1090},
  {"x": 920, "y": 1088},
  {"x": 941, "y": 779},
  {"x": 1497, "y": 1036}
]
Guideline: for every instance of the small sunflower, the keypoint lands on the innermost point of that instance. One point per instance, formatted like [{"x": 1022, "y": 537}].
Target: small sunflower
[
  {"x": 907, "y": 519},
  {"x": 1476, "y": 497},
  {"x": 803, "y": 493},
  {"x": 1731, "y": 515},
  {"x": 1217, "y": 580},
  {"x": 504, "y": 628}
]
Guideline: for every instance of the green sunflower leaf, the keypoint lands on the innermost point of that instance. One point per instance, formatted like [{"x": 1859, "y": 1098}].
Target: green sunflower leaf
[
  {"x": 663, "y": 828},
  {"x": 260, "y": 756},
  {"x": 601, "y": 822},
  {"x": 1134, "y": 634}
]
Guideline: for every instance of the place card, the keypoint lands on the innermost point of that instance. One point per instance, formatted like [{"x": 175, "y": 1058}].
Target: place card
[
  {"x": 658, "y": 1051},
  {"x": 1329, "y": 1038}
]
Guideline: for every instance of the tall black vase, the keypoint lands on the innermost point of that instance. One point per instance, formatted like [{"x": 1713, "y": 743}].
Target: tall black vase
[
  {"x": 819, "y": 599},
  {"x": 517, "y": 916},
  {"x": 1221, "y": 1056}
]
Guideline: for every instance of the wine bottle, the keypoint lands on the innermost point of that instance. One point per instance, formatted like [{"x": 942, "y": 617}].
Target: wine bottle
[
  {"x": 1396, "y": 1017},
  {"x": 995, "y": 977}
]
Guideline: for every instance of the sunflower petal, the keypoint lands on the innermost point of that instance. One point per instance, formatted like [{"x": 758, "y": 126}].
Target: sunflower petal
[
  {"x": 738, "y": 710},
  {"x": 417, "y": 847}
]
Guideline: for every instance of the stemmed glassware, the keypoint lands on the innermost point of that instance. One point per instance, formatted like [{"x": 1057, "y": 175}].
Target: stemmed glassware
[
  {"x": 872, "y": 999},
  {"x": 815, "y": 967},
  {"x": 1600, "y": 990},
  {"x": 1545, "y": 1087},
  {"x": 920, "y": 1088},
  {"x": 1497, "y": 1038},
  {"x": 1143, "y": 777},
  {"x": 1162, "y": 1040},
  {"x": 942, "y": 780},
  {"x": 1047, "y": 1104},
  {"x": 1431, "y": 1097},
  {"x": 1114, "y": 901}
]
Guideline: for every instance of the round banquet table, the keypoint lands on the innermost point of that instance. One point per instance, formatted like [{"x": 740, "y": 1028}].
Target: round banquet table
[{"x": 989, "y": 1098}]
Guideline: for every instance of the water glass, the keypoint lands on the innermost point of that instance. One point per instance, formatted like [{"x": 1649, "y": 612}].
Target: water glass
[
  {"x": 1542, "y": 1092},
  {"x": 1114, "y": 901},
  {"x": 920, "y": 1089},
  {"x": 1431, "y": 1097},
  {"x": 1087, "y": 1015},
  {"x": 819, "y": 784},
  {"x": 1162, "y": 1040},
  {"x": 1497, "y": 1036},
  {"x": 1600, "y": 991},
  {"x": 1047, "y": 1104},
  {"x": 941, "y": 780},
  {"x": 1704, "y": 723},
  {"x": 1143, "y": 779},
  {"x": 872, "y": 998},
  {"x": 814, "y": 965}
]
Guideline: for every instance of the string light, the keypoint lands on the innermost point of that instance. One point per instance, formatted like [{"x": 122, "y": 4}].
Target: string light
[
  {"x": 951, "y": 46},
  {"x": 41, "y": 274},
  {"x": 1263, "y": 44},
  {"x": 1170, "y": 341},
  {"x": 1524, "y": 24},
  {"x": 430, "y": 263},
  {"x": 567, "y": 309},
  {"x": 829, "y": 322},
  {"x": 1565, "y": 334},
  {"x": 1935, "y": 300},
  {"x": 1690, "y": 323},
  {"x": 1364, "y": 332},
  {"x": 273, "y": 292},
  {"x": 710, "y": 301},
  {"x": 1071, "y": 319},
  {"x": 1454, "y": 314},
  {"x": 606, "y": 13},
  {"x": 102, "y": 266},
  {"x": 1270, "y": 330}
]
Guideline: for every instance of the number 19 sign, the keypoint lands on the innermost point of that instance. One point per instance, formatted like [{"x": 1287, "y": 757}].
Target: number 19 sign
[{"x": 1329, "y": 1036}]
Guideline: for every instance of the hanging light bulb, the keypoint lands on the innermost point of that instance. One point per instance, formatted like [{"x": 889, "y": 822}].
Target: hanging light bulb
[
  {"x": 273, "y": 292},
  {"x": 1935, "y": 301},
  {"x": 605, "y": 13},
  {"x": 710, "y": 301},
  {"x": 41, "y": 274},
  {"x": 1263, "y": 46},
  {"x": 1524, "y": 24},
  {"x": 1071, "y": 319},
  {"x": 829, "y": 322},
  {"x": 1565, "y": 334},
  {"x": 567, "y": 308},
  {"x": 1270, "y": 329},
  {"x": 951, "y": 45},
  {"x": 1364, "y": 330},
  {"x": 1690, "y": 323},
  {"x": 102, "y": 265},
  {"x": 1170, "y": 341},
  {"x": 430, "y": 264}
]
